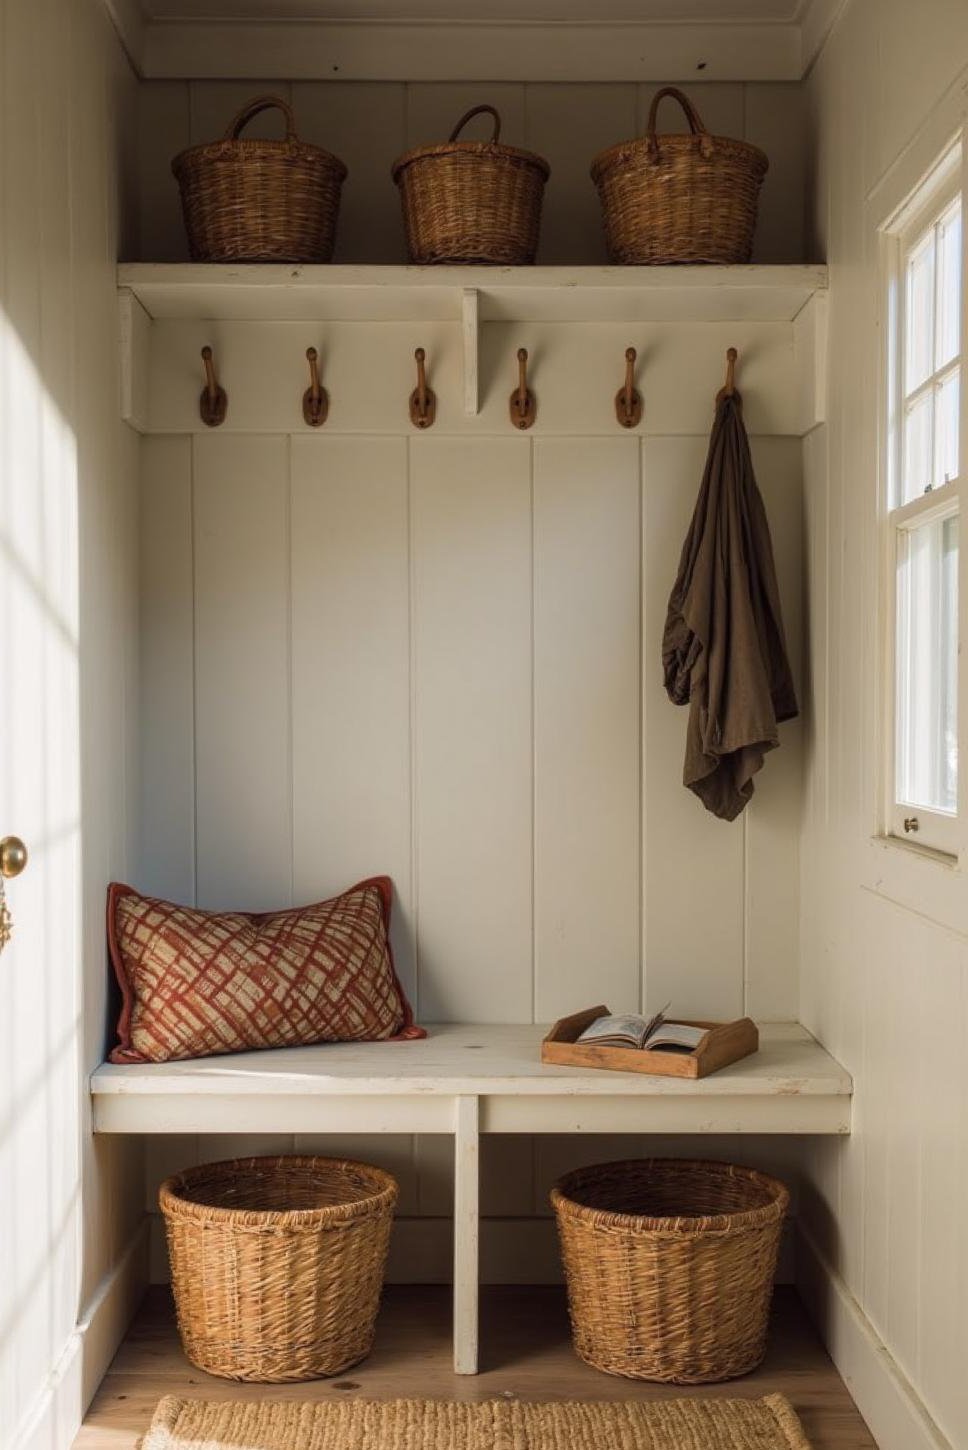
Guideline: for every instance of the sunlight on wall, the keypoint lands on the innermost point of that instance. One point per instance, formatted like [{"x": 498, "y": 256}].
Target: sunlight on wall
[{"x": 40, "y": 801}]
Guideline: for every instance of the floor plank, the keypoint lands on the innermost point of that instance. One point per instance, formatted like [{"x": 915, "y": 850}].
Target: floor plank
[{"x": 526, "y": 1353}]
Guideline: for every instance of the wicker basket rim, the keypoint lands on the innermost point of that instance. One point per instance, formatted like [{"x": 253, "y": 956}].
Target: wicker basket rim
[
  {"x": 486, "y": 150},
  {"x": 639, "y": 147},
  {"x": 174, "y": 1203},
  {"x": 667, "y": 1225},
  {"x": 252, "y": 149}
]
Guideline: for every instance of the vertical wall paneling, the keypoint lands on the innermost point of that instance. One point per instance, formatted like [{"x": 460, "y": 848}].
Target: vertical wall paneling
[
  {"x": 694, "y": 863},
  {"x": 242, "y": 672},
  {"x": 586, "y": 724},
  {"x": 351, "y": 672},
  {"x": 471, "y": 562},
  {"x": 772, "y": 920},
  {"x": 167, "y": 647}
]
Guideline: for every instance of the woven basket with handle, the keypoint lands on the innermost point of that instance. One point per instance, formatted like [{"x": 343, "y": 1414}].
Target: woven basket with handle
[
  {"x": 277, "y": 1263},
  {"x": 669, "y": 1265},
  {"x": 675, "y": 198},
  {"x": 260, "y": 201},
  {"x": 472, "y": 201}
]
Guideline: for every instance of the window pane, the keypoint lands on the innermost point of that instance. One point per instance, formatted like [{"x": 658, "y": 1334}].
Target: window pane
[
  {"x": 919, "y": 314},
  {"x": 947, "y": 399},
  {"x": 948, "y": 326},
  {"x": 927, "y": 666},
  {"x": 918, "y": 462}
]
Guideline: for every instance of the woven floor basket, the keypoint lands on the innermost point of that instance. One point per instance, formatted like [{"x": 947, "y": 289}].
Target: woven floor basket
[
  {"x": 678, "y": 198},
  {"x": 471, "y": 201},
  {"x": 670, "y": 1265},
  {"x": 277, "y": 1263},
  {"x": 260, "y": 201}
]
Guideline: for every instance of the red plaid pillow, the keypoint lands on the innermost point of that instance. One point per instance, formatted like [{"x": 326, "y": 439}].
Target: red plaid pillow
[{"x": 198, "y": 983}]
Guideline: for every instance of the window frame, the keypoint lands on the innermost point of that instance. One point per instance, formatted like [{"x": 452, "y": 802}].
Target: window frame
[{"x": 935, "y": 831}]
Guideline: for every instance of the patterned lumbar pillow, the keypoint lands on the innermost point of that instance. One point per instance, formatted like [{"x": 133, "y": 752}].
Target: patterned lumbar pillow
[{"x": 196, "y": 983}]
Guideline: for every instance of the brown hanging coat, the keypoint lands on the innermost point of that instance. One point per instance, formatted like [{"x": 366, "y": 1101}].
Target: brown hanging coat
[{"x": 723, "y": 650}]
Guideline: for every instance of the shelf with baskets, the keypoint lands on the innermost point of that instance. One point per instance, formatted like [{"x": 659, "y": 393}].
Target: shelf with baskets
[{"x": 469, "y": 298}]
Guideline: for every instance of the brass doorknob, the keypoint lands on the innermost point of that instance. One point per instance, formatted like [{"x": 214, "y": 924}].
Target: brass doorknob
[{"x": 13, "y": 856}]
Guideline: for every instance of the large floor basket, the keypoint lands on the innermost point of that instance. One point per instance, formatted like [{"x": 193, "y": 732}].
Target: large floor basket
[
  {"x": 277, "y": 1263},
  {"x": 670, "y": 1266}
]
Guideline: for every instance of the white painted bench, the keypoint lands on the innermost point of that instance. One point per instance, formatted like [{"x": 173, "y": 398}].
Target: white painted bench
[{"x": 467, "y": 1080}]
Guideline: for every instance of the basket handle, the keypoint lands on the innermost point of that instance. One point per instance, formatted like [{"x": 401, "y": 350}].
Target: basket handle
[
  {"x": 253, "y": 108},
  {"x": 469, "y": 115},
  {"x": 692, "y": 116}
]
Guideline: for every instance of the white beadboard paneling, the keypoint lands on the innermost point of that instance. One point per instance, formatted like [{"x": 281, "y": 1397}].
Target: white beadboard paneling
[
  {"x": 772, "y": 849},
  {"x": 506, "y": 1175},
  {"x": 693, "y": 906},
  {"x": 351, "y": 672},
  {"x": 586, "y": 724},
  {"x": 364, "y": 125},
  {"x": 163, "y": 131},
  {"x": 434, "y": 108},
  {"x": 776, "y": 122},
  {"x": 471, "y": 542},
  {"x": 242, "y": 674},
  {"x": 568, "y": 125},
  {"x": 166, "y": 652}
]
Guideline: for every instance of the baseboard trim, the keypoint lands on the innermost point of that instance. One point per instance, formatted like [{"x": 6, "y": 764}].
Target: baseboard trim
[
  {"x": 55, "y": 1417},
  {"x": 897, "y": 1417}
]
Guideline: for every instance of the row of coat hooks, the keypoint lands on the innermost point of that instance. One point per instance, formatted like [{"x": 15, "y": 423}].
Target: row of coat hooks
[{"x": 522, "y": 405}]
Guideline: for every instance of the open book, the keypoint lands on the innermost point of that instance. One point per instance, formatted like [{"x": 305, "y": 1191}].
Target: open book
[{"x": 629, "y": 1030}]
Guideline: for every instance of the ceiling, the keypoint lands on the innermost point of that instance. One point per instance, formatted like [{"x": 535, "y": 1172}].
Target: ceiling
[{"x": 550, "y": 11}]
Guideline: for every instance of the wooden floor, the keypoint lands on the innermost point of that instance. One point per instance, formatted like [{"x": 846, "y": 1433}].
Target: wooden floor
[{"x": 526, "y": 1352}]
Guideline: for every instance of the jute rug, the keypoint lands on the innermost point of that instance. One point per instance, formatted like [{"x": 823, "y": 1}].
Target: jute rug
[{"x": 766, "y": 1424}]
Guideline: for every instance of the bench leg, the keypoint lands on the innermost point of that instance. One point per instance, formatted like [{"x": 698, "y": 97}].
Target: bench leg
[{"x": 466, "y": 1232}]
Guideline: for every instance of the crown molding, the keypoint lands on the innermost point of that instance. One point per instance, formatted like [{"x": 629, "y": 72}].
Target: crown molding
[{"x": 473, "y": 50}]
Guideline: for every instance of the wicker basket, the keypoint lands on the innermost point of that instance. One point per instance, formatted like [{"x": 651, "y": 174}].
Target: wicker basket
[
  {"x": 260, "y": 201},
  {"x": 679, "y": 198},
  {"x": 670, "y": 1266},
  {"x": 471, "y": 201},
  {"x": 277, "y": 1263}
]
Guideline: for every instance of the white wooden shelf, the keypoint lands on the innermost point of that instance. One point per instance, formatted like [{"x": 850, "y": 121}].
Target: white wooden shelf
[
  {"x": 790, "y": 1086},
  {"x": 281, "y": 293},
  {"x": 468, "y": 1080},
  {"x": 760, "y": 302}
]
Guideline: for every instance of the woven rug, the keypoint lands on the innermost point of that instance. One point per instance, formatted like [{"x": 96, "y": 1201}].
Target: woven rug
[{"x": 766, "y": 1424}]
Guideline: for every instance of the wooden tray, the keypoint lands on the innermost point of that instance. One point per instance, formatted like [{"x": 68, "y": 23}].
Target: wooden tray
[{"x": 724, "y": 1042}]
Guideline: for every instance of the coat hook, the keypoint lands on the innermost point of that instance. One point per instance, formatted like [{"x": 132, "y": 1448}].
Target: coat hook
[
  {"x": 628, "y": 401},
  {"x": 423, "y": 400},
  {"x": 315, "y": 401},
  {"x": 523, "y": 404},
  {"x": 728, "y": 390},
  {"x": 213, "y": 403}
]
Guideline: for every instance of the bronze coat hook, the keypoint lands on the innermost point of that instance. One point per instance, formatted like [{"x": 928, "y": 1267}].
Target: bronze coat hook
[
  {"x": 213, "y": 403},
  {"x": 423, "y": 400},
  {"x": 523, "y": 404},
  {"x": 315, "y": 401},
  {"x": 728, "y": 390},
  {"x": 628, "y": 401}
]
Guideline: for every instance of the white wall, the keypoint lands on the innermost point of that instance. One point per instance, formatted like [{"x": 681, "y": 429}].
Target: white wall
[
  {"x": 369, "y": 125},
  {"x": 438, "y": 655},
  {"x": 884, "y": 962},
  {"x": 66, "y": 156}
]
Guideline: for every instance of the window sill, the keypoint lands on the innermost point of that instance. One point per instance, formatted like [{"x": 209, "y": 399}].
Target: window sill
[{"x": 918, "y": 878}]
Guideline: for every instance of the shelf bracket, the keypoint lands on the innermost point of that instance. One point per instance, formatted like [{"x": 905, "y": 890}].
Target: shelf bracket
[
  {"x": 470, "y": 333},
  {"x": 134, "y": 339}
]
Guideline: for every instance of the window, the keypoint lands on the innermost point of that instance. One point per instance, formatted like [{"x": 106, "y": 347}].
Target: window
[{"x": 924, "y": 451}]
